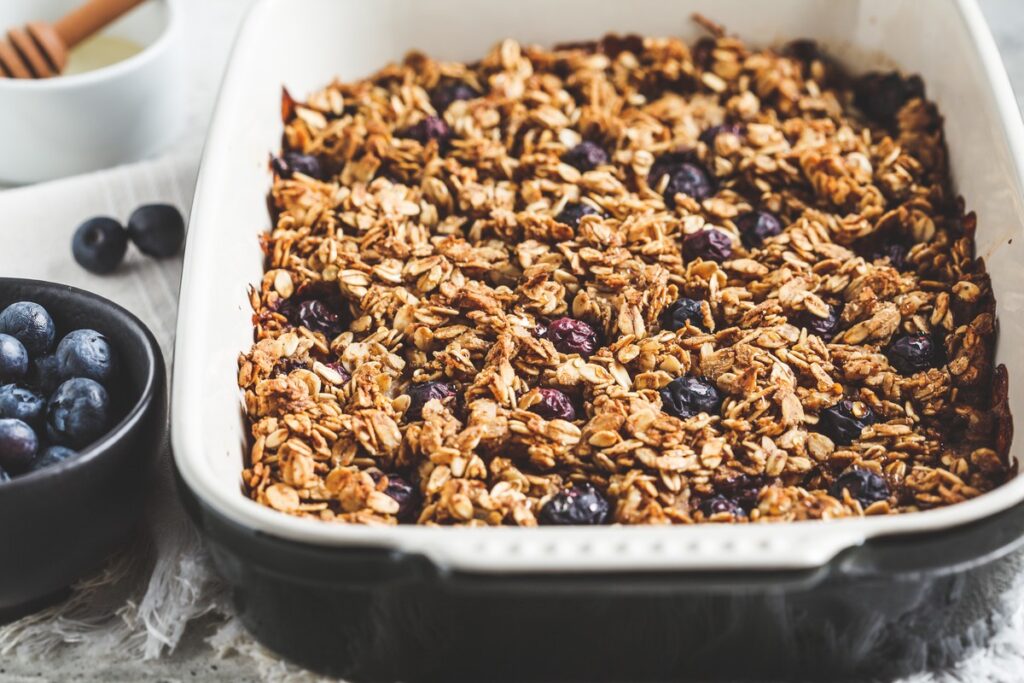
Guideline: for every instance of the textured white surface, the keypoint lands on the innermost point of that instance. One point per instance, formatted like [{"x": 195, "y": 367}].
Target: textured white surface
[{"x": 36, "y": 231}]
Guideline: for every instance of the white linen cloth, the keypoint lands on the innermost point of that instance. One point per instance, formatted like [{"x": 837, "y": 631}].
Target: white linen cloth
[{"x": 158, "y": 609}]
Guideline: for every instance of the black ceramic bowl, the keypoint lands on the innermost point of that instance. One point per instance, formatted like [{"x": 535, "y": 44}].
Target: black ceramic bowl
[{"x": 60, "y": 523}]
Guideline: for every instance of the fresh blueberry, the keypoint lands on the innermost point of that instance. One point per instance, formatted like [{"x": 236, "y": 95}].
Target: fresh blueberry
[
  {"x": 709, "y": 135},
  {"x": 290, "y": 163},
  {"x": 13, "y": 359},
  {"x": 554, "y": 405},
  {"x": 913, "y": 353},
  {"x": 430, "y": 128},
  {"x": 863, "y": 485},
  {"x": 581, "y": 504},
  {"x": 45, "y": 374},
  {"x": 22, "y": 404},
  {"x": 719, "y": 504},
  {"x": 844, "y": 421},
  {"x": 419, "y": 394},
  {"x": 708, "y": 244},
  {"x": 451, "y": 91},
  {"x": 30, "y": 324},
  {"x": 99, "y": 245},
  {"x": 53, "y": 455},
  {"x": 757, "y": 226},
  {"x": 403, "y": 493},
  {"x": 882, "y": 95},
  {"x": 685, "y": 176},
  {"x": 573, "y": 212},
  {"x": 685, "y": 397},
  {"x": 78, "y": 413},
  {"x": 158, "y": 230},
  {"x": 683, "y": 311},
  {"x": 18, "y": 445},
  {"x": 826, "y": 327},
  {"x": 85, "y": 353},
  {"x": 572, "y": 336},
  {"x": 586, "y": 156}
]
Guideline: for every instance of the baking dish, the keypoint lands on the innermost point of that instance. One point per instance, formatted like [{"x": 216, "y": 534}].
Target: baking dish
[{"x": 305, "y": 587}]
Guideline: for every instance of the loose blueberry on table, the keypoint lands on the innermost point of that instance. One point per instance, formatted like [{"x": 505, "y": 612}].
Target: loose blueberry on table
[
  {"x": 99, "y": 245},
  {"x": 54, "y": 404},
  {"x": 158, "y": 230}
]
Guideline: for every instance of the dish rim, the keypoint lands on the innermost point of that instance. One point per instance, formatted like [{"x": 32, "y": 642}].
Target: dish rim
[{"x": 791, "y": 545}]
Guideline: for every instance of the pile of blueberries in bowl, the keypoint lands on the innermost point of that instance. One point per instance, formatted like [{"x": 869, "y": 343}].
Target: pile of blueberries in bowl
[{"x": 53, "y": 394}]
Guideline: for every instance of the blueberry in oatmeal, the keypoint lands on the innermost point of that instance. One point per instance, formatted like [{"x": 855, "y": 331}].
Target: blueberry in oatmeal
[
  {"x": 683, "y": 177},
  {"x": 586, "y": 156},
  {"x": 717, "y": 505},
  {"x": 757, "y": 226},
  {"x": 862, "y": 484},
  {"x": 913, "y": 353},
  {"x": 13, "y": 359},
  {"x": 420, "y": 394},
  {"x": 710, "y": 135},
  {"x": 451, "y": 91},
  {"x": 293, "y": 162},
  {"x": 683, "y": 311},
  {"x": 708, "y": 244},
  {"x": 572, "y": 336},
  {"x": 844, "y": 422},
  {"x": 554, "y": 405},
  {"x": 582, "y": 504},
  {"x": 429, "y": 128},
  {"x": 825, "y": 327},
  {"x": 99, "y": 245},
  {"x": 573, "y": 212},
  {"x": 685, "y": 397}
]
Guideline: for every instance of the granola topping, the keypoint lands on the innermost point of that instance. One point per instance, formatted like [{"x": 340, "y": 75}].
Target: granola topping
[{"x": 619, "y": 282}]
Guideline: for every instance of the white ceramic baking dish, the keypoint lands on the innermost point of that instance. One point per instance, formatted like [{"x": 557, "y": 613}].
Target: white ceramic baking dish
[{"x": 304, "y": 43}]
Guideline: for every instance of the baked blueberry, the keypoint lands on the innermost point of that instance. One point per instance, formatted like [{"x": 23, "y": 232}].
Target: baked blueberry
[
  {"x": 685, "y": 397},
  {"x": 708, "y": 244},
  {"x": 719, "y": 504},
  {"x": 158, "y": 230},
  {"x": 53, "y": 455},
  {"x": 419, "y": 394},
  {"x": 554, "y": 405},
  {"x": 13, "y": 359},
  {"x": 404, "y": 494},
  {"x": 685, "y": 176},
  {"x": 19, "y": 445},
  {"x": 430, "y": 128},
  {"x": 451, "y": 91},
  {"x": 844, "y": 421},
  {"x": 741, "y": 487},
  {"x": 581, "y": 504},
  {"x": 29, "y": 323},
  {"x": 757, "y": 226},
  {"x": 826, "y": 327},
  {"x": 85, "y": 353},
  {"x": 573, "y": 212},
  {"x": 680, "y": 312},
  {"x": 99, "y": 245},
  {"x": 895, "y": 252},
  {"x": 881, "y": 95},
  {"x": 572, "y": 336},
  {"x": 78, "y": 413},
  {"x": 913, "y": 353},
  {"x": 313, "y": 314},
  {"x": 586, "y": 156},
  {"x": 21, "y": 403},
  {"x": 862, "y": 484},
  {"x": 709, "y": 135},
  {"x": 291, "y": 163}
]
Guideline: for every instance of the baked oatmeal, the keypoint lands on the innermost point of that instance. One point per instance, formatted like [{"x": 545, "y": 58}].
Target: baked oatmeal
[{"x": 628, "y": 281}]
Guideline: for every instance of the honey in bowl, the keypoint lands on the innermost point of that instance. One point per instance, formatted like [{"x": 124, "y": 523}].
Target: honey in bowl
[{"x": 99, "y": 51}]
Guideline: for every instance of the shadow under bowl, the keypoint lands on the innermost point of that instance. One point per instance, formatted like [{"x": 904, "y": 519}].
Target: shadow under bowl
[{"x": 60, "y": 523}]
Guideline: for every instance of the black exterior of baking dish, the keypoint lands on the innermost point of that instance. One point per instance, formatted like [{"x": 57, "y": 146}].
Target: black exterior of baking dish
[
  {"x": 60, "y": 523},
  {"x": 889, "y": 607}
]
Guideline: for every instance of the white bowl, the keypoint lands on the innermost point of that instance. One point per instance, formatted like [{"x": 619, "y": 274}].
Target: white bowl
[
  {"x": 121, "y": 113},
  {"x": 945, "y": 41}
]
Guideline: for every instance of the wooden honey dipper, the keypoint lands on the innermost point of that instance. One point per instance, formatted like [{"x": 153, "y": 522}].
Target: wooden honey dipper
[{"x": 40, "y": 50}]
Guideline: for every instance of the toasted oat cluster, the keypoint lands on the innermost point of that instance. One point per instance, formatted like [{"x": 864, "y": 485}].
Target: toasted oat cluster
[{"x": 629, "y": 281}]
